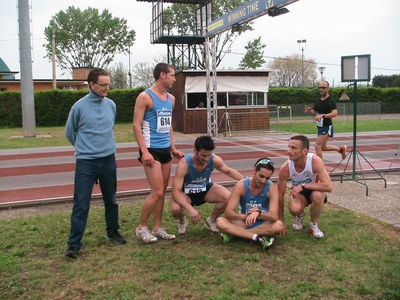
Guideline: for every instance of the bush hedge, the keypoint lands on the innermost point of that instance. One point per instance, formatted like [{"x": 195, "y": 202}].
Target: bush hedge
[{"x": 52, "y": 107}]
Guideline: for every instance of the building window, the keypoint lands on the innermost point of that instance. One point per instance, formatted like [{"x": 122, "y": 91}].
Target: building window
[
  {"x": 246, "y": 99},
  {"x": 234, "y": 99},
  {"x": 193, "y": 99}
]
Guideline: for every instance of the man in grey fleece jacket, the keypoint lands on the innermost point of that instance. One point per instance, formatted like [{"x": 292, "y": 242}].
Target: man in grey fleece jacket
[{"x": 90, "y": 128}]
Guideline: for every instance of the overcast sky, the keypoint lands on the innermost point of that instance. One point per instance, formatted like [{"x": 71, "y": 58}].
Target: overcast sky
[{"x": 332, "y": 29}]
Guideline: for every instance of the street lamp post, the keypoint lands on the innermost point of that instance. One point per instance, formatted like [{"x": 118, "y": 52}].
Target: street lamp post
[
  {"x": 53, "y": 58},
  {"x": 301, "y": 42},
  {"x": 131, "y": 37},
  {"x": 53, "y": 53},
  {"x": 129, "y": 71},
  {"x": 321, "y": 70}
]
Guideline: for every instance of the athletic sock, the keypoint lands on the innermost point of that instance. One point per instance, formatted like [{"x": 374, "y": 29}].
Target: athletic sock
[{"x": 255, "y": 237}]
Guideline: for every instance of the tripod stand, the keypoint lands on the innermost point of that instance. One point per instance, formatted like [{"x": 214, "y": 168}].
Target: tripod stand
[
  {"x": 355, "y": 154},
  {"x": 228, "y": 123}
]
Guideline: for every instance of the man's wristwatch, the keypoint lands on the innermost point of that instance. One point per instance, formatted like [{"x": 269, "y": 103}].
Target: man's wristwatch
[{"x": 303, "y": 185}]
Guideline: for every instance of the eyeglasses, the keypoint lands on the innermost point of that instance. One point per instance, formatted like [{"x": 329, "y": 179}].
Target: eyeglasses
[
  {"x": 103, "y": 84},
  {"x": 322, "y": 87},
  {"x": 265, "y": 161}
]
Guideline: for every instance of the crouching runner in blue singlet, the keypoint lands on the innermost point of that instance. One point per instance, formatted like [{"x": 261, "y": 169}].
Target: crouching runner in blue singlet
[{"x": 192, "y": 185}]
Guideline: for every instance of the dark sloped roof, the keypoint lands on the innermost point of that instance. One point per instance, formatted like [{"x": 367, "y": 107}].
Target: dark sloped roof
[
  {"x": 3, "y": 66},
  {"x": 5, "y": 70}
]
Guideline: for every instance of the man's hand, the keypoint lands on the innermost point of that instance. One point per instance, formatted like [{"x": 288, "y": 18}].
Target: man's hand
[
  {"x": 308, "y": 109},
  {"x": 296, "y": 190},
  {"x": 194, "y": 216},
  {"x": 252, "y": 216},
  {"x": 147, "y": 159},
  {"x": 318, "y": 117},
  {"x": 252, "y": 210},
  {"x": 178, "y": 154},
  {"x": 283, "y": 233}
]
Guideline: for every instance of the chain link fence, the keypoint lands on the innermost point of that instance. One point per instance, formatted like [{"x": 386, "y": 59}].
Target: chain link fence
[
  {"x": 233, "y": 122},
  {"x": 365, "y": 111},
  {"x": 295, "y": 113}
]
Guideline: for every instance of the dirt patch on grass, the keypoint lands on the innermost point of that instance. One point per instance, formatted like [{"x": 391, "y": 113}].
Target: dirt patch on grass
[
  {"x": 34, "y": 211},
  {"x": 56, "y": 208}
]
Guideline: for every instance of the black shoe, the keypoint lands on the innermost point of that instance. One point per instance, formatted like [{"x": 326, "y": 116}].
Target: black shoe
[
  {"x": 72, "y": 252},
  {"x": 116, "y": 238}
]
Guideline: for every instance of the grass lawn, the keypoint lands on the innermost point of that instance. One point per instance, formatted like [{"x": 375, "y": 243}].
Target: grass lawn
[
  {"x": 358, "y": 259},
  {"x": 10, "y": 138}
]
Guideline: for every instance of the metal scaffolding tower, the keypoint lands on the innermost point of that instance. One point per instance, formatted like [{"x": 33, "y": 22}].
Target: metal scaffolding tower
[{"x": 182, "y": 48}]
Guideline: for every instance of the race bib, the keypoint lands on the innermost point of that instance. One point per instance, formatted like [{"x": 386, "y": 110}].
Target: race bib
[
  {"x": 320, "y": 122},
  {"x": 194, "y": 188},
  {"x": 164, "y": 119}
]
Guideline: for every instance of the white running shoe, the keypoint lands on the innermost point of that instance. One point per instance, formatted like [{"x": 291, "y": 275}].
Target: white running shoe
[
  {"x": 298, "y": 222},
  {"x": 145, "y": 235},
  {"x": 182, "y": 227},
  {"x": 212, "y": 226},
  {"x": 314, "y": 230},
  {"x": 162, "y": 234}
]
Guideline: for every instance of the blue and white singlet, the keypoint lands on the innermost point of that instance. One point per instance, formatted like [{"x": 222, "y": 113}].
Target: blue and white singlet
[
  {"x": 157, "y": 122},
  {"x": 196, "y": 182}
]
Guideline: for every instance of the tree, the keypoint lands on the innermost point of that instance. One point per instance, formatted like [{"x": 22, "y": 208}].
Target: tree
[
  {"x": 396, "y": 82},
  {"x": 118, "y": 76},
  {"x": 143, "y": 74},
  {"x": 289, "y": 71},
  {"x": 86, "y": 38},
  {"x": 179, "y": 18},
  {"x": 384, "y": 81},
  {"x": 143, "y": 71},
  {"x": 253, "y": 58}
]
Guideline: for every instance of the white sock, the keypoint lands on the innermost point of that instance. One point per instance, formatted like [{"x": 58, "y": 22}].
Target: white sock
[
  {"x": 313, "y": 224},
  {"x": 255, "y": 237}
]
